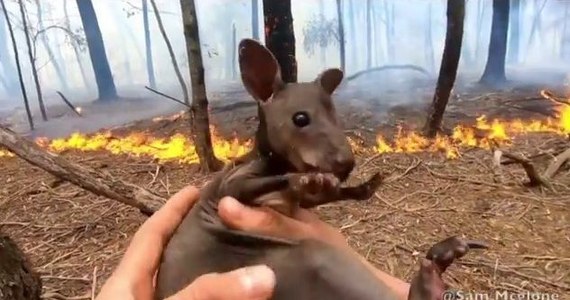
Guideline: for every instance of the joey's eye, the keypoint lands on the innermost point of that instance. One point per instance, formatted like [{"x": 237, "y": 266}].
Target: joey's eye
[{"x": 301, "y": 119}]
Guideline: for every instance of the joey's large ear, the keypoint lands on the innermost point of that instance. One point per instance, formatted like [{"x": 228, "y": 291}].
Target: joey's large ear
[
  {"x": 330, "y": 79},
  {"x": 259, "y": 69}
]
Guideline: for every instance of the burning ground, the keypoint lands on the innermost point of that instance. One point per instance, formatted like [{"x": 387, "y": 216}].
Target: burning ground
[{"x": 451, "y": 186}]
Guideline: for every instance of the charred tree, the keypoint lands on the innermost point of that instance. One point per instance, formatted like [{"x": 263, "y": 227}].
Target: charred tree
[
  {"x": 368, "y": 34},
  {"x": 429, "y": 40},
  {"x": 565, "y": 41},
  {"x": 6, "y": 64},
  {"x": 280, "y": 36},
  {"x": 494, "y": 73},
  {"x": 59, "y": 71},
  {"x": 75, "y": 47},
  {"x": 234, "y": 51},
  {"x": 351, "y": 22},
  {"x": 514, "y": 32},
  {"x": 183, "y": 86},
  {"x": 148, "y": 46},
  {"x": 199, "y": 118},
  {"x": 341, "y": 42},
  {"x": 255, "y": 19},
  {"x": 103, "y": 76},
  {"x": 32, "y": 60},
  {"x": 18, "y": 280},
  {"x": 18, "y": 65},
  {"x": 449, "y": 64}
]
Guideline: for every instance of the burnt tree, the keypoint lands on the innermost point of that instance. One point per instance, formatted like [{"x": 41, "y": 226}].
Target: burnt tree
[
  {"x": 494, "y": 73},
  {"x": 18, "y": 65},
  {"x": 75, "y": 46},
  {"x": 18, "y": 280},
  {"x": 514, "y": 32},
  {"x": 255, "y": 19},
  {"x": 448, "y": 69},
  {"x": 103, "y": 76},
  {"x": 32, "y": 60},
  {"x": 280, "y": 36},
  {"x": 341, "y": 42},
  {"x": 368, "y": 34},
  {"x": 148, "y": 46},
  {"x": 199, "y": 118}
]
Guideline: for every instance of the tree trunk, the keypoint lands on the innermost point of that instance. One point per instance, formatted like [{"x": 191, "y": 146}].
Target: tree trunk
[
  {"x": 234, "y": 51},
  {"x": 280, "y": 36},
  {"x": 75, "y": 50},
  {"x": 389, "y": 18},
  {"x": 18, "y": 280},
  {"x": 254, "y": 19},
  {"x": 9, "y": 70},
  {"x": 430, "y": 53},
  {"x": 535, "y": 23},
  {"x": 171, "y": 52},
  {"x": 341, "y": 41},
  {"x": 199, "y": 119},
  {"x": 369, "y": 34},
  {"x": 352, "y": 33},
  {"x": 323, "y": 50},
  {"x": 18, "y": 66},
  {"x": 84, "y": 177},
  {"x": 103, "y": 76},
  {"x": 59, "y": 71},
  {"x": 565, "y": 40},
  {"x": 514, "y": 32},
  {"x": 494, "y": 73},
  {"x": 148, "y": 46},
  {"x": 449, "y": 64},
  {"x": 480, "y": 13},
  {"x": 32, "y": 60}
]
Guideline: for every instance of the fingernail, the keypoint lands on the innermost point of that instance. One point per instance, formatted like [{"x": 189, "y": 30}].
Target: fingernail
[
  {"x": 231, "y": 206},
  {"x": 258, "y": 281}
]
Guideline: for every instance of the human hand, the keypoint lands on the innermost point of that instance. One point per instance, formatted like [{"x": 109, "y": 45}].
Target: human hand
[
  {"x": 262, "y": 220},
  {"x": 135, "y": 276}
]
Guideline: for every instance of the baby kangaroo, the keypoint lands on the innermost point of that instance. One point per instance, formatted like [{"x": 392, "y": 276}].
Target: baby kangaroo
[{"x": 301, "y": 157}]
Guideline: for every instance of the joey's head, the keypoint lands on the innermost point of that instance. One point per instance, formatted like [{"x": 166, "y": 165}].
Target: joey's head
[{"x": 298, "y": 121}]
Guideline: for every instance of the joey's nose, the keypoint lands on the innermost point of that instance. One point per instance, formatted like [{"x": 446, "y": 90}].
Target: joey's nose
[{"x": 343, "y": 165}]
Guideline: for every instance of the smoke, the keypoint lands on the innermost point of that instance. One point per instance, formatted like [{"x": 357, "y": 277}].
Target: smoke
[{"x": 402, "y": 33}]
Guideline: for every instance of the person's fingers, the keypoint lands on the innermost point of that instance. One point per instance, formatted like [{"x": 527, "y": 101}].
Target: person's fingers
[
  {"x": 249, "y": 283},
  {"x": 143, "y": 254},
  {"x": 259, "y": 220}
]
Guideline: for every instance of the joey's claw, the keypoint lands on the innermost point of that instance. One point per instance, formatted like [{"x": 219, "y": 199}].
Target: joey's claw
[{"x": 314, "y": 183}]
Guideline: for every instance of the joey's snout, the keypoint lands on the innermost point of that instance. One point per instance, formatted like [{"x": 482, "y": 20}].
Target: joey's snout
[{"x": 342, "y": 165}]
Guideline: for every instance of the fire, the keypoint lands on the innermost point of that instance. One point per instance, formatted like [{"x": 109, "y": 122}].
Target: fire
[{"x": 180, "y": 148}]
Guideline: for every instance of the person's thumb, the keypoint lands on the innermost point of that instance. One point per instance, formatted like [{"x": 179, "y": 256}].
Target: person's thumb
[
  {"x": 249, "y": 283},
  {"x": 260, "y": 220}
]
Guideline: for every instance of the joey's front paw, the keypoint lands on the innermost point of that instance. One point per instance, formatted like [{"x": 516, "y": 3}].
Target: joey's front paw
[
  {"x": 313, "y": 184},
  {"x": 428, "y": 283}
]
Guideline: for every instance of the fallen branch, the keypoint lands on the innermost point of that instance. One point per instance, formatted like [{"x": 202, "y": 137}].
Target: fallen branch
[
  {"x": 73, "y": 108},
  {"x": 548, "y": 95},
  {"x": 556, "y": 163},
  {"x": 224, "y": 108},
  {"x": 535, "y": 178},
  {"x": 497, "y": 171},
  {"x": 388, "y": 67},
  {"x": 89, "y": 179}
]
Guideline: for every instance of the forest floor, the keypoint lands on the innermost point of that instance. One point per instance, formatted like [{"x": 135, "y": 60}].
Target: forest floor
[{"x": 75, "y": 239}]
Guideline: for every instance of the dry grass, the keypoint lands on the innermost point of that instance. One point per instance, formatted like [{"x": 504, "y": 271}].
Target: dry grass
[{"x": 73, "y": 236}]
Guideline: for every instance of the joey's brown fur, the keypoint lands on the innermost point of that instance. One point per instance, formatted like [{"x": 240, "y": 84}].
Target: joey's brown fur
[{"x": 300, "y": 158}]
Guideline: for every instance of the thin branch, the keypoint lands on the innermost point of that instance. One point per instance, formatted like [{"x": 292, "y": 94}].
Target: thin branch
[{"x": 167, "y": 96}]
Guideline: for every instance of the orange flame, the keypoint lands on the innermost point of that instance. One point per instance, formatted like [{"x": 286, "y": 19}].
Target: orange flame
[{"x": 181, "y": 149}]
